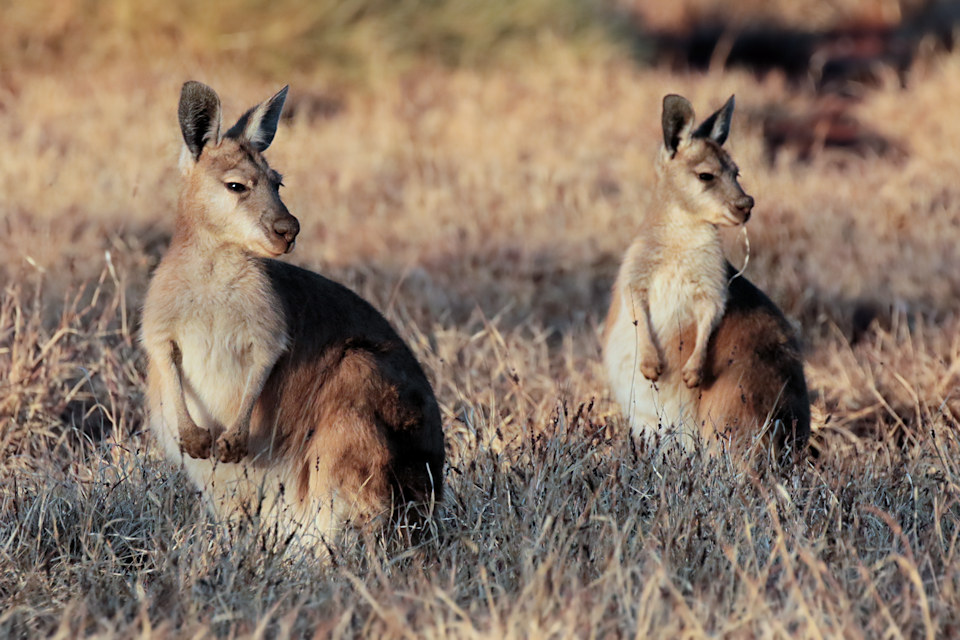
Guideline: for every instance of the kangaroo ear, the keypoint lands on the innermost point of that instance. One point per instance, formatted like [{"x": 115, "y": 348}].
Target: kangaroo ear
[
  {"x": 717, "y": 126},
  {"x": 199, "y": 114},
  {"x": 677, "y": 121},
  {"x": 259, "y": 125}
]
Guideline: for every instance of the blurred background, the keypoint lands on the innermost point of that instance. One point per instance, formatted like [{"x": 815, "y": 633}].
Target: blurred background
[{"x": 361, "y": 40}]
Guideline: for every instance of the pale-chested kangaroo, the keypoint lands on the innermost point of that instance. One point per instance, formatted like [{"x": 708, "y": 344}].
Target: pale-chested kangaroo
[
  {"x": 289, "y": 395},
  {"x": 691, "y": 347}
]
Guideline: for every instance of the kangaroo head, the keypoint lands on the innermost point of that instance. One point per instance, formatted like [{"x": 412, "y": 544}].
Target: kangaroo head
[
  {"x": 231, "y": 192},
  {"x": 696, "y": 170}
]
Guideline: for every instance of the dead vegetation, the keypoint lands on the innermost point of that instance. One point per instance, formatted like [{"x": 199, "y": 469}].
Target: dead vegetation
[{"x": 485, "y": 213}]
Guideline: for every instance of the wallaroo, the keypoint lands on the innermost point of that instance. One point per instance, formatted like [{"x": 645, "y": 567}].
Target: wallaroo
[
  {"x": 693, "y": 351},
  {"x": 279, "y": 391}
]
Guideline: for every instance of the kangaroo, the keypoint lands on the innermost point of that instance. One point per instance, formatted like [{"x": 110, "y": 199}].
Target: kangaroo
[
  {"x": 691, "y": 347},
  {"x": 279, "y": 391}
]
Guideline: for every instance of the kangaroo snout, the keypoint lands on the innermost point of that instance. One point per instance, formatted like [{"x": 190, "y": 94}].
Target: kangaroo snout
[
  {"x": 286, "y": 227},
  {"x": 744, "y": 205}
]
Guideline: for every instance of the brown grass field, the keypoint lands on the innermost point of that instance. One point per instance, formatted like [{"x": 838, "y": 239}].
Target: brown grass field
[{"x": 484, "y": 208}]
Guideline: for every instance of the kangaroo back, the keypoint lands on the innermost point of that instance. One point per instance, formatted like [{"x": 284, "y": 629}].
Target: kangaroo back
[
  {"x": 366, "y": 408},
  {"x": 753, "y": 377}
]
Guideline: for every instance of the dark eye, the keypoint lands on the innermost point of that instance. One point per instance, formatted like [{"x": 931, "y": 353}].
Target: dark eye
[
  {"x": 706, "y": 177},
  {"x": 236, "y": 187}
]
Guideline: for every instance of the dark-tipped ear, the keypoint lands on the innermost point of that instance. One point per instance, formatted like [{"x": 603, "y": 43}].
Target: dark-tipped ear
[
  {"x": 259, "y": 125},
  {"x": 677, "y": 121},
  {"x": 717, "y": 126},
  {"x": 199, "y": 114}
]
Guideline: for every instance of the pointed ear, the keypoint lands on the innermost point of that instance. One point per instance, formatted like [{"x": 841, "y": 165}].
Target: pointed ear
[
  {"x": 717, "y": 126},
  {"x": 677, "y": 121},
  {"x": 259, "y": 125},
  {"x": 199, "y": 114}
]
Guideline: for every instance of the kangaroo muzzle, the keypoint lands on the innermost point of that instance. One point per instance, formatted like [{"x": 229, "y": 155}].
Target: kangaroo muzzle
[
  {"x": 744, "y": 206},
  {"x": 285, "y": 227}
]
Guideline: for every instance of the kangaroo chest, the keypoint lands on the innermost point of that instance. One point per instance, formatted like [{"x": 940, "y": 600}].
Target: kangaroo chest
[
  {"x": 685, "y": 286},
  {"x": 225, "y": 336}
]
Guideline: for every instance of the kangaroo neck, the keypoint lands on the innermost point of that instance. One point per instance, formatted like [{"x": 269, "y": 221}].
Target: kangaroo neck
[
  {"x": 209, "y": 256},
  {"x": 676, "y": 226}
]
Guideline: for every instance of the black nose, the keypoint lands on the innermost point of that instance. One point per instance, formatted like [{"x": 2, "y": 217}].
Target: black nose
[
  {"x": 286, "y": 227},
  {"x": 744, "y": 204}
]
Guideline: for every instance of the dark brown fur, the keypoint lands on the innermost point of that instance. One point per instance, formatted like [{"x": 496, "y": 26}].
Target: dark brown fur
[
  {"x": 754, "y": 370},
  {"x": 358, "y": 402}
]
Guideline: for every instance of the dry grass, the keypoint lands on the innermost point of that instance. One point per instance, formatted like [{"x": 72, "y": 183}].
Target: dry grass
[
  {"x": 485, "y": 212},
  {"x": 350, "y": 40}
]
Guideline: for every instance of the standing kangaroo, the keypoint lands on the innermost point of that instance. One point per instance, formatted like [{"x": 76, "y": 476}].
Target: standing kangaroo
[
  {"x": 289, "y": 395},
  {"x": 689, "y": 345}
]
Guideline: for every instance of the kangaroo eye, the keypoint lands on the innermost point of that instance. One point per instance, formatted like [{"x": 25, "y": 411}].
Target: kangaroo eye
[
  {"x": 236, "y": 187},
  {"x": 706, "y": 177}
]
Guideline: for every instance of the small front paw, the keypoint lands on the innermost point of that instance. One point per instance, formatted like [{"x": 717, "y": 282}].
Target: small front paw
[
  {"x": 231, "y": 447},
  {"x": 692, "y": 376},
  {"x": 651, "y": 368},
  {"x": 196, "y": 442}
]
